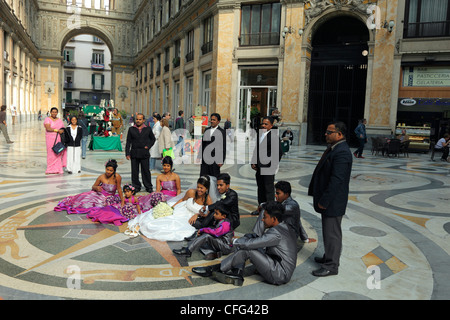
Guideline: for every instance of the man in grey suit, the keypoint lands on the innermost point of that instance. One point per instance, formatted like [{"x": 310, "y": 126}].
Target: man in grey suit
[
  {"x": 330, "y": 187},
  {"x": 274, "y": 253},
  {"x": 291, "y": 213}
]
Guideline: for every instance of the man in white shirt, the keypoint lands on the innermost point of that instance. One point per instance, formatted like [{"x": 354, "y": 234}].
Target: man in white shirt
[{"x": 443, "y": 145}]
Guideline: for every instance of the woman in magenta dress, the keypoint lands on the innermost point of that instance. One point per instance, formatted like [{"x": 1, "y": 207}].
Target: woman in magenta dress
[
  {"x": 118, "y": 212},
  {"x": 103, "y": 193},
  {"x": 167, "y": 186},
  {"x": 54, "y": 127}
]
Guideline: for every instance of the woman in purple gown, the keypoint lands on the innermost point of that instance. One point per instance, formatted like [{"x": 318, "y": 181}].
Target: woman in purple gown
[
  {"x": 167, "y": 186},
  {"x": 103, "y": 193}
]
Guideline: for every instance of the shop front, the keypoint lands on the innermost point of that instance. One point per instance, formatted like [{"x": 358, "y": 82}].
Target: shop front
[
  {"x": 424, "y": 119},
  {"x": 423, "y": 107}
]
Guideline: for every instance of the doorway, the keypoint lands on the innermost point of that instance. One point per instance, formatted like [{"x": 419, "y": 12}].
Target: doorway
[
  {"x": 257, "y": 96},
  {"x": 338, "y": 77}
]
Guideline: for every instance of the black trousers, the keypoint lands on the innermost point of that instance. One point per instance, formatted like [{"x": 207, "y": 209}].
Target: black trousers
[
  {"x": 332, "y": 241},
  {"x": 266, "y": 187},
  {"x": 144, "y": 165}
]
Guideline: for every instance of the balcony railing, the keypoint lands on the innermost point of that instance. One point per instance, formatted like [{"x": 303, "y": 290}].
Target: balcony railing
[
  {"x": 70, "y": 64},
  {"x": 190, "y": 56},
  {"x": 207, "y": 47},
  {"x": 427, "y": 29},
  {"x": 259, "y": 39}
]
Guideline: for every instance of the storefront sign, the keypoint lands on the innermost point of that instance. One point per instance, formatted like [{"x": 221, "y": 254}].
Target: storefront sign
[
  {"x": 426, "y": 77},
  {"x": 424, "y": 102}
]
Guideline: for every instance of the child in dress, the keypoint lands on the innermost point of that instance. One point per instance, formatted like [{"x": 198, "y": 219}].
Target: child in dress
[
  {"x": 130, "y": 204},
  {"x": 118, "y": 212},
  {"x": 215, "y": 241}
]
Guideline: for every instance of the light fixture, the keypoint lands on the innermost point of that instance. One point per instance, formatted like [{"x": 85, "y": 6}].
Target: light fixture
[
  {"x": 365, "y": 53},
  {"x": 287, "y": 30},
  {"x": 389, "y": 26}
]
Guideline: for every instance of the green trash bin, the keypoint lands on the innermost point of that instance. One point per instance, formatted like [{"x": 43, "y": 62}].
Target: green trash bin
[{"x": 285, "y": 146}]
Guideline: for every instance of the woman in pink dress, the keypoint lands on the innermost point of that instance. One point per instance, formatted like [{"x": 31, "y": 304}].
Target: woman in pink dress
[
  {"x": 54, "y": 127},
  {"x": 103, "y": 193},
  {"x": 167, "y": 186}
]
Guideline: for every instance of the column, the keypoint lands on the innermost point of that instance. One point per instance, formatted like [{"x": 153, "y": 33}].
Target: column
[{"x": 2, "y": 66}]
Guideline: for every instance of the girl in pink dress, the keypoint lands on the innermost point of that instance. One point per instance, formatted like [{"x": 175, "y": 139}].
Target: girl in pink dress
[
  {"x": 54, "y": 127},
  {"x": 118, "y": 212},
  {"x": 103, "y": 193}
]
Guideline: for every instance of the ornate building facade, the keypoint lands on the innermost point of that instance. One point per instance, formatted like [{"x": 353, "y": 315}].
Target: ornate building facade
[{"x": 313, "y": 60}]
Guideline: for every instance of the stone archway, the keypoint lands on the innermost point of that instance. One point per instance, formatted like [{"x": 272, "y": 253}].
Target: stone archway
[{"x": 311, "y": 29}]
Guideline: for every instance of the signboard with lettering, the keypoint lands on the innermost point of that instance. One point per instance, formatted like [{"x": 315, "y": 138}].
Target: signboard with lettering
[{"x": 426, "y": 77}]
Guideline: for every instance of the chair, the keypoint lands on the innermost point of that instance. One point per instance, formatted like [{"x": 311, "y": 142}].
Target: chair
[
  {"x": 393, "y": 147},
  {"x": 377, "y": 145},
  {"x": 433, "y": 150},
  {"x": 404, "y": 148}
]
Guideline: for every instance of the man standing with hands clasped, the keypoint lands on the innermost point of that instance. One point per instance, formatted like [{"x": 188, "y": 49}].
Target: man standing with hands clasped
[
  {"x": 330, "y": 187},
  {"x": 140, "y": 139}
]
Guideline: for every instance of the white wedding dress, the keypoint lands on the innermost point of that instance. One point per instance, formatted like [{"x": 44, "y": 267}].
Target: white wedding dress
[{"x": 170, "y": 228}]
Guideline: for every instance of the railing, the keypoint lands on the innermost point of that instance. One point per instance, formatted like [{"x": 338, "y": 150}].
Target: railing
[
  {"x": 190, "y": 56},
  {"x": 426, "y": 29},
  {"x": 70, "y": 64},
  {"x": 207, "y": 47},
  {"x": 259, "y": 39}
]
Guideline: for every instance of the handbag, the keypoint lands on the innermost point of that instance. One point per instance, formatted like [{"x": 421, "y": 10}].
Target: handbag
[
  {"x": 168, "y": 152},
  {"x": 58, "y": 147}
]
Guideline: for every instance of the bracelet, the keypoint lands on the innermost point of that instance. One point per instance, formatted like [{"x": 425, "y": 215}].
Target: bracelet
[{"x": 55, "y": 130}]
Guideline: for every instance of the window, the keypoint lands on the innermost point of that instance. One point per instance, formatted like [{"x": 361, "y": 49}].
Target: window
[
  {"x": 190, "y": 46},
  {"x": 68, "y": 80},
  {"x": 430, "y": 18},
  {"x": 189, "y": 96},
  {"x": 98, "y": 60},
  {"x": 166, "y": 98},
  {"x": 208, "y": 34},
  {"x": 176, "y": 54},
  {"x": 167, "y": 59},
  {"x": 158, "y": 64},
  {"x": 176, "y": 97},
  {"x": 260, "y": 24},
  {"x": 98, "y": 80},
  {"x": 68, "y": 54},
  {"x": 206, "y": 90}
]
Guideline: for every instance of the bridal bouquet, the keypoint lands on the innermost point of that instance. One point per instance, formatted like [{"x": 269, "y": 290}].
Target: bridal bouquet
[{"x": 162, "y": 209}]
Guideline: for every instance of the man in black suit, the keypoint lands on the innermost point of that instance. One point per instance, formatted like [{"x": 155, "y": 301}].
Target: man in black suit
[
  {"x": 228, "y": 199},
  {"x": 330, "y": 187},
  {"x": 265, "y": 160},
  {"x": 214, "y": 148},
  {"x": 140, "y": 139}
]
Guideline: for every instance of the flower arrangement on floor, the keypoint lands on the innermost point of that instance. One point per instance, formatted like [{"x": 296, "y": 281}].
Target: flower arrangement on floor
[{"x": 162, "y": 209}]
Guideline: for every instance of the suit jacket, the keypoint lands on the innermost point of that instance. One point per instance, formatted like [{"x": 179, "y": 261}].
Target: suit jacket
[
  {"x": 68, "y": 139},
  {"x": 291, "y": 217},
  {"x": 137, "y": 141},
  {"x": 207, "y": 168},
  {"x": 262, "y": 155},
  {"x": 230, "y": 202},
  {"x": 280, "y": 244},
  {"x": 329, "y": 184}
]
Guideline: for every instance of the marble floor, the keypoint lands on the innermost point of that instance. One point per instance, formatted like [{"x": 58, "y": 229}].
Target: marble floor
[{"x": 396, "y": 233}]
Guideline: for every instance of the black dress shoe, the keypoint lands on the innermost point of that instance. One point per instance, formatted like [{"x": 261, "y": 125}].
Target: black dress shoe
[
  {"x": 182, "y": 252},
  {"x": 206, "y": 271},
  {"x": 322, "y": 272},
  {"x": 149, "y": 190},
  {"x": 255, "y": 213},
  {"x": 191, "y": 237},
  {"x": 234, "y": 277}
]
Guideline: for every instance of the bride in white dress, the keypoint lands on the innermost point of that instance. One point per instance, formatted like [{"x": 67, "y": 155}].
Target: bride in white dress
[{"x": 175, "y": 227}]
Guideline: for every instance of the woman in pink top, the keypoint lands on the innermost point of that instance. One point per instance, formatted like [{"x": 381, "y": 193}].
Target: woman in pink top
[{"x": 54, "y": 127}]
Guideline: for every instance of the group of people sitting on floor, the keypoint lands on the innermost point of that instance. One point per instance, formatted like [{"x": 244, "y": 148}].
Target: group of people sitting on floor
[{"x": 205, "y": 216}]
